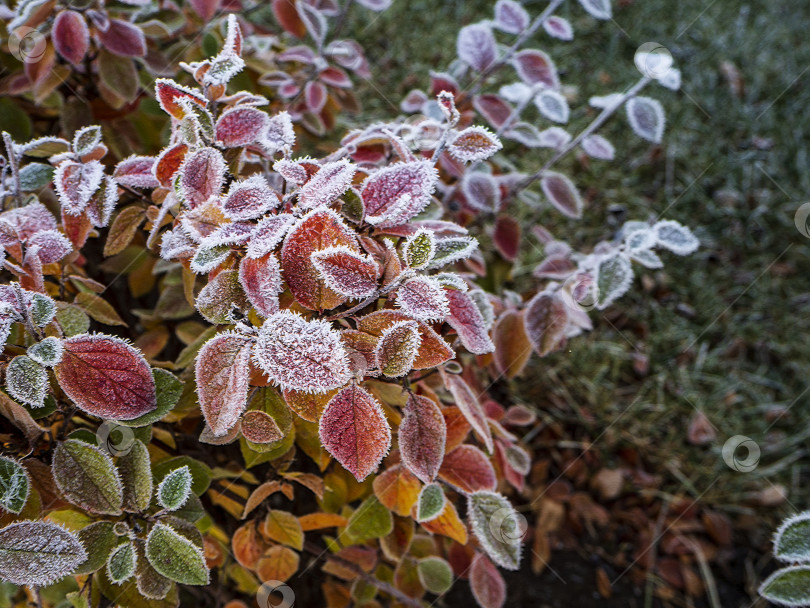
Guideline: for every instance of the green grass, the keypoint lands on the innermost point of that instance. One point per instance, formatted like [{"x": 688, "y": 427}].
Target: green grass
[{"x": 723, "y": 329}]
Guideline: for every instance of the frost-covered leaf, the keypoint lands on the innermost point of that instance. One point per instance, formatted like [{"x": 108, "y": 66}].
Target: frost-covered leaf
[
  {"x": 614, "y": 277},
  {"x": 647, "y": 258},
  {"x": 38, "y": 553},
  {"x": 232, "y": 234},
  {"x": 136, "y": 477},
  {"x": 430, "y": 503},
  {"x": 599, "y": 9},
  {"x": 476, "y": 46},
  {"x": 268, "y": 234},
  {"x": 597, "y": 146},
  {"x": 87, "y": 477},
  {"x": 791, "y": 542},
  {"x": 452, "y": 249},
  {"x": 562, "y": 193},
  {"x": 788, "y": 586},
  {"x": 397, "y": 348},
  {"x": 552, "y": 105},
  {"x": 646, "y": 116},
  {"x": 169, "y": 93},
  {"x": 136, "y": 172},
  {"x": 14, "y": 485},
  {"x": 174, "y": 490},
  {"x": 27, "y": 381},
  {"x": 354, "y": 430},
  {"x": 433, "y": 350},
  {"x": 467, "y": 402},
  {"x": 217, "y": 300},
  {"x": 76, "y": 183},
  {"x": 496, "y": 524},
  {"x": 175, "y": 557},
  {"x": 319, "y": 229},
  {"x": 605, "y": 101},
  {"x": 71, "y": 36},
  {"x": 48, "y": 352},
  {"x": 261, "y": 280},
  {"x": 222, "y": 372},
  {"x": 481, "y": 191},
  {"x": 536, "y": 67},
  {"x": 423, "y": 298},
  {"x": 301, "y": 355},
  {"x": 121, "y": 563},
  {"x": 206, "y": 258},
  {"x": 474, "y": 144},
  {"x": 260, "y": 427},
  {"x": 249, "y": 199},
  {"x": 383, "y": 192},
  {"x": 468, "y": 469},
  {"x": 486, "y": 583},
  {"x": 553, "y": 137},
  {"x": 419, "y": 248},
  {"x": 511, "y": 17},
  {"x": 545, "y": 320},
  {"x": 315, "y": 22},
  {"x": 34, "y": 176},
  {"x": 677, "y": 238},
  {"x": 671, "y": 79},
  {"x": 280, "y": 134},
  {"x": 241, "y": 126},
  {"x": 168, "y": 163},
  {"x": 466, "y": 318},
  {"x": 106, "y": 377},
  {"x": 422, "y": 437},
  {"x": 346, "y": 272},
  {"x": 201, "y": 175},
  {"x": 331, "y": 181},
  {"x": 558, "y": 27},
  {"x": 397, "y": 488},
  {"x": 51, "y": 246}
]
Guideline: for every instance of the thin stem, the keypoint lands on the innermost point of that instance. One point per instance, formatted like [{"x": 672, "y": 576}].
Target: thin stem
[
  {"x": 15, "y": 167},
  {"x": 589, "y": 130}
]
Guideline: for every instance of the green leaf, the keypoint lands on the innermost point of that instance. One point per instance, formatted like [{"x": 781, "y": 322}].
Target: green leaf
[
  {"x": 435, "y": 574},
  {"x": 792, "y": 540},
  {"x": 118, "y": 74},
  {"x": 788, "y": 586},
  {"x": 168, "y": 390},
  {"x": 45, "y": 147},
  {"x": 175, "y": 557},
  {"x": 175, "y": 488},
  {"x": 430, "y": 503},
  {"x": 34, "y": 176},
  {"x": 43, "y": 309},
  {"x": 121, "y": 563},
  {"x": 87, "y": 477},
  {"x": 48, "y": 352},
  {"x": 99, "y": 539},
  {"x": 615, "y": 275},
  {"x": 136, "y": 477},
  {"x": 72, "y": 319},
  {"x": 14, "y": 485},
  {"x": 217, "y": 300},
  {"x": 419, "y": 249},
  {"x": 495, "y": 524},
  {"x": 27, "y": 381},
  {"x": 200, "y": 474},
  {"x": 370, "y": 520},
  {"x": 38, "y": 553}
]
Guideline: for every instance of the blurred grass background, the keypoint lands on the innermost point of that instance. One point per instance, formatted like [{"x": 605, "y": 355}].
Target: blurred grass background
[{"x": 721, "y": 330}]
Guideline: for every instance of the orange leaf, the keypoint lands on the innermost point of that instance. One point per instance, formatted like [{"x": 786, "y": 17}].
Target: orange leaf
[
  {"x": 278, "y": 564},
  {"x": 448, "y": 524},
  {"x": 318, "y": 521},
  {"x": 397, "y": 488},
  {"x": 468, "y": 469}
]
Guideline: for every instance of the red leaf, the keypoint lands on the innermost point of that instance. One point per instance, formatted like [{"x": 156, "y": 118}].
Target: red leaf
[
  {"x": 201, "y": 175},
  {"x": 474, "y": 144},
  {"x": 168, "y": 163},
  {"x": 507, "y": 237},
  {"x": 468, "y": 469},
  {"x": 51, "y": 245},
  {"x": 259, "y": 427},
  {"x": 422, "y": 437},
  {"x": 395, "y": 194},
  {"x": 223, "y": 372},
  {"x": 29, "y": 220},
  {"x": 261, "y": 280},
  {"x": 469, "y": 405},
  {"x": 168, "y": 92},
  {"x": 493, "y": 108},
  {"x": 76, "y": 183},
  {"x": 466, "y": 319},
  {"x": 317, "y": 230},
  {"x": 77, "y": 228},
  {"x": 288, "y": 18},
  {"x": 249, "y": 199},
  {"x": 346, "y": 272},
  {"x": 241, "y": 126},
  {"x": 562, "y": 193},
  {"x": 534, "y": 67},
  {"x": 123, "y": 38},
  {"x": 545, "y": 320},
  {"x": 71, "y": 36},
  {"x": 315, "y": 96},
  {"x": 335, "y": 77},
  {"x": 331, "y": 180},
  {"x": 423, "y": 298},
  {"x": 137, "y": 172},
  {"x": 481, "y": 191},
  {"x": 354, "y": 430},
  {"x": 106, "y": 377},
  {"x": 487, "y": 583},
  {"x": 206, "y": 9}
]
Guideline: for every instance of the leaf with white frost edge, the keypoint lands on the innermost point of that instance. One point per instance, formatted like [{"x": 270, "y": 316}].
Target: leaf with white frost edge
[
  {"x": 423, "y": 298},
  {"x": 27, "y": 381},
  {"x": 598, "y": 9},
  {"x": 614, "y": 277},
  {"x": 430, "y": 503},
  {"x": 48, "y": 352},
  {"x": 15, "y": 485},
  {"x": 38, "y": 553},
  {"x": 495, "y": 524},
  {"x": 397, "y": 348},
  {"x": 474, "y": 144},
  {"x": 598, "y": 147},
  {"x": 788, "y": 586},
  {"x": 175, "y": 489},
  {"x": 791, "y": 542},
  {"x": 552, "y": 105},
  {"x": 452, "y": 249},
  {"x": 87, "y": 477},
  {"x": 646, "y": 116},
  {"x": 675, "y": 237},
  {"x": 419, "y": 248},
  {"x": 345, "y": 271},
  {"x": 176, "y": 557},
  {"x": 268, "y": 234},
  {"x": 121, "y": 563}
]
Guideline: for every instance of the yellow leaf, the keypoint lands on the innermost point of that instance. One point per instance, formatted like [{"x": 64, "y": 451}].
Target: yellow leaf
[{"x": 284, "y": 527}]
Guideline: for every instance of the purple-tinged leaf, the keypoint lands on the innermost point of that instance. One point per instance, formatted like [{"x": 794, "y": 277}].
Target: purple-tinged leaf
[
  {"x": 123, "y": 38},
  {"x": 76, "y": 183},
  {"x": 346, "y": 272},
  {"x": 562, "y": 193},
  {"x": 506, "y": 237},
  {"x": 249, "y": 199},
  {"x": 315, "y": 96},
  {"x": 279, "y": 134},
  {"x": 646, "y": 116},
  {"x": 261, "y": 280},
  {"x": 422, "y": 437},
  {"x": 466, "y": 319},
  {"x": 486, "y": 583},
  {"x": 474, "y": 144},
  {"x": 314, "y": 21},
  {"x": 481, "y": 191},
  {"x": 71, "y": 36},
  {"x": 136, "y": 172},
  {"x": 51, "y": 245},
  {"x": 535, "y": 67},
  {"x": 241, "y": 126},
  {"x": 466, "y": 401},
  {"x": 330, "y": 182},
  {"x": 206, "y": 9},
  {"x": 413, "y": 101},
  {"x": 201, "y": 176},
  {"x": 268, "y": 234},
  {"x": 384, "y": 191},
  {"x": 493, "y": 108},
  {"x": 476, "y": 46},
  {"x": 558, "y": 27},
  {"x": 423, "y": 298},
  {"x": 511, "y": 17},
  {"x": 598, "y": 9},
  {"x": 545, "y": 320},
  {"x": 598, "y": 147},
  {"x": 222, "y": 372}
]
